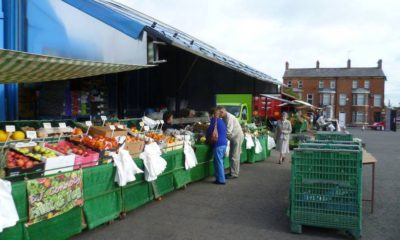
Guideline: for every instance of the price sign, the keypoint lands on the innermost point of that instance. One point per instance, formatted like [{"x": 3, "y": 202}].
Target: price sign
[
  {"x": 162, "y": 121},
  {"x": 47, "y": 125},
  {"x": 112, "y": 127},
  {"x": 120, "y": 126},
  {"x": 62, "y": 125},
  {"x": 141, "y": 124},
  {"x": 103, "y": 118},
  {"x": 88, "y": 123},
  {"x": 31, "y": 134},
  {"x": 10, "y": 128},
  {"x": 146, "y": 128}
]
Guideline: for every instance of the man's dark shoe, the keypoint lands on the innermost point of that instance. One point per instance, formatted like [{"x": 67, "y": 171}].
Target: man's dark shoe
[
  {"x": 229, "y": 176},
  {"x": 219, "y": 183}
]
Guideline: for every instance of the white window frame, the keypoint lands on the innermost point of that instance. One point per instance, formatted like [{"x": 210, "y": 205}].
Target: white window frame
[
  {"x": 300, "y": 84},
  {"x": 376, "y": 102},
  {"x": 333, "y": 84},
  {"x": 321, "y": 84},
  {"x": 354, "y": 84},
  {"x": 312, "y": 98},
  {"x": 289, "y": 83},
  {"x": 367, "y": 84},
  {"x": 326, "y": 99},
  {"x": 357, "y": 101},
  {"x": 342, "y": 99}
]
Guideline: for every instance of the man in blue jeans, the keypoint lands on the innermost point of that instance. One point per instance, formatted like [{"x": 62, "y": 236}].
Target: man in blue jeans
[{"x": 219, "y": 147}]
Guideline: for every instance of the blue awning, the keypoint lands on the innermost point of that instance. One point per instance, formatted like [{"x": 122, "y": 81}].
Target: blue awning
[
  {"x": 109, "y": 17},
  {"x": 126, "y": 19}
]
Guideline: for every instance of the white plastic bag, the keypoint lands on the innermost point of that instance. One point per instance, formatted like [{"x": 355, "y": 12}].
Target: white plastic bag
[
  {"x": 271, "y": 143},
  {"x": 190, "y": 156},
  {"x": 228, "y": 148},
  {"x": 249, "y": 141},
  {"x": 258, "y": 148},
  {"x": 126, "y": 167},
  {"x": 153, "y": 162},
  {"x": 8, "y": 211}
]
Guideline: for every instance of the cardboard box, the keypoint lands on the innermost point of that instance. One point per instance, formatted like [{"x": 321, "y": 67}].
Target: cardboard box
[
  {"x": 106, "y": 132},
  {"x": 134, "y": 148}
]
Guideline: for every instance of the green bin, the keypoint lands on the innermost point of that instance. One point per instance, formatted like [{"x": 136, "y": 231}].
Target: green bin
[
  {"x": 135, "y": 195},
  {"x": 181, "y": 178}
]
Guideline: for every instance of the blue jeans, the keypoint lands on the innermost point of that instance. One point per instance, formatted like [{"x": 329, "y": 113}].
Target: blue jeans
[{"x": 219, "y": 153}]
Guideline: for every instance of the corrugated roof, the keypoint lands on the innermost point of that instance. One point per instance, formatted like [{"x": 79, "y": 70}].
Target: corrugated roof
[
  {"x": 334, "y": 72},
  {"x": 175, "y": 37}
]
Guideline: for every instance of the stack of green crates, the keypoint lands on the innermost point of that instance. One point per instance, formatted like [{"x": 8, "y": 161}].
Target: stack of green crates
[
  {"x": 326, "y": 187},
  {"x": 335, "y": 136}
]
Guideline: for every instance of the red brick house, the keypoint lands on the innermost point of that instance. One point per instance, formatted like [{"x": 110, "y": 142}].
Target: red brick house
[{"x": 353, "y": 95}]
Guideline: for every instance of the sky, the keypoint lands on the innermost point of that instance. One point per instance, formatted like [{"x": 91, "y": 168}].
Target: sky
[{"x": 265, "y": 34}]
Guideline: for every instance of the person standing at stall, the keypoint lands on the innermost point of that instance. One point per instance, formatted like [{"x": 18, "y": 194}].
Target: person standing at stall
[
  {"x": 235, "y": 136},
  {"x": 282, "y": 137},
  {"x": 216, "y": 136}
]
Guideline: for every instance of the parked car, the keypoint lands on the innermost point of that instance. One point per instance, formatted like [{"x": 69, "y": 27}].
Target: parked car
[{"x": 380, "y": 126}]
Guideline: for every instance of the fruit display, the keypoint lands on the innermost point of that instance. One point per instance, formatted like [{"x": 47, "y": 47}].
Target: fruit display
[
  {"x": 133, "y": 139},
  {"x": 18, "y": 135},
  {"x": 15, "y": 159},
  {"x": 77, "y": 131},
  {"x": 156, "y": 136},
  {"x": 97, "y": 142},
  {"x": 37, "y": 152},
  {"x": 68, "y": 148}
]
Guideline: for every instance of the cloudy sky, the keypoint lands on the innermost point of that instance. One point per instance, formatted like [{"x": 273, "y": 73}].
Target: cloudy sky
[{"x": 266, "y": 33}]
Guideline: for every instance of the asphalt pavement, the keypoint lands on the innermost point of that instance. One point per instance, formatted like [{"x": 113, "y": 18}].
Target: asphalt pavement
[{"x": 255, "y": 205}]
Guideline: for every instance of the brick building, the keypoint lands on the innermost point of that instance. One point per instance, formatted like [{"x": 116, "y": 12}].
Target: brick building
[{"x": 353, "y": 95}]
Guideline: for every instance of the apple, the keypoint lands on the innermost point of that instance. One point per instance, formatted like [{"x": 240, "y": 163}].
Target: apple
[
  {"x": 20, "y": 163},
  {"x": 29, "y": 164},
  {"x": 11, "y": 165}
]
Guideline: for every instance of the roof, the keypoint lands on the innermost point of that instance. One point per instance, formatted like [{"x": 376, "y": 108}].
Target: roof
[
  {"x": 277, "y": 98},
  {"x": 334, "y": 72},
  {"x": 22, "y": 67},
  {"x": 109, "y": 11}
]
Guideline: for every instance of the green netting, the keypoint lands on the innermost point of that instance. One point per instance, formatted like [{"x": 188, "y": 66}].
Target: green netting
[
  {"x": 181, "y": 178},
  {"x": 199, "y": 172},
  {"x": 98, "y": 180},
  {"x": 326, "y": 189},
  {"x": 103, "y": 208},
  {"x": 204, "y": 153},
  {"x": 135, "y": 195},
  {"x": 63, "y": 226},
  {"x": 17, "y": 232},
  {"x": 163, "y": 184}
]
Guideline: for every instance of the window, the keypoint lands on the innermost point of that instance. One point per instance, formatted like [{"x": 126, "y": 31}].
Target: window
[
  {"x": 289, "y": 83},
  {"x": 300, "y": 83},
  {"x": 354, "y": 84},
  {"x": 359, "y": 100},
  {"x": 359, "y": 117},
  {"x": 244, "y": 113},
  {"x": 342, "y": 99},
  {"x": 321, "y": 83},
  {"x": 326, "y": 99},
  {"x": 333, "y": 84},
  {"x": 310, "y": 98},
  {"x": 300, "y": 96},
  {"x": 366, "y": 84},
  {"x": 377, "y": 100}
]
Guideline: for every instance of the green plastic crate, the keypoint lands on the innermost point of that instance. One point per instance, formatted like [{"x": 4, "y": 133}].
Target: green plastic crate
[
  {"x": 63, "y": 226},
  {"x": 136, "y": 194},
  {"x": 326, "y": 189},
  {"x": 163, "y": 184},
  {"x": 243, "y": 154},
  {"x": 330, "y": 146},
  {"x": 98, "y": 180},
  {"x": 103, "y": 208},
  {"x": 203, "y": 153},
  {"x": 336, "y": 136},
  {"x": 199, "y": 172},
  {"x": 181, "y": 178},
  {"x": 174, "y": 159}
]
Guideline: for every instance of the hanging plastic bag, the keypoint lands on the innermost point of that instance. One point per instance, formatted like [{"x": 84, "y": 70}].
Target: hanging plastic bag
[
  {"x": 228, "y": 148},
  {"x": 258, "y": 148},
  {"x": 190, "y": 156},
  {"x": 8, "y": 211},
  {"x": 126, "y": 167},
  {"x": 153, "y": 162},
  {"x": 271, "y": 143},
  {"x": 249, "y": 141}
]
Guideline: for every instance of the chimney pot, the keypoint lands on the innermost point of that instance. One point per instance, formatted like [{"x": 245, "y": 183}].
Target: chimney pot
[
  {"x": 287, "y": 65},
  {"x": 348, "y": 63},
  {"x": 317, "y": 64},
  {"x": 380, "y": 63}
]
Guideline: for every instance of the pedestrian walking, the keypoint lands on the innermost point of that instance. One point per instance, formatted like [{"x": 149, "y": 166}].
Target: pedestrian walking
[
  {"x": 216, "y": 136},
  {"x": 235, "y": 136},
  {"x": 282, "y": 137}
]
